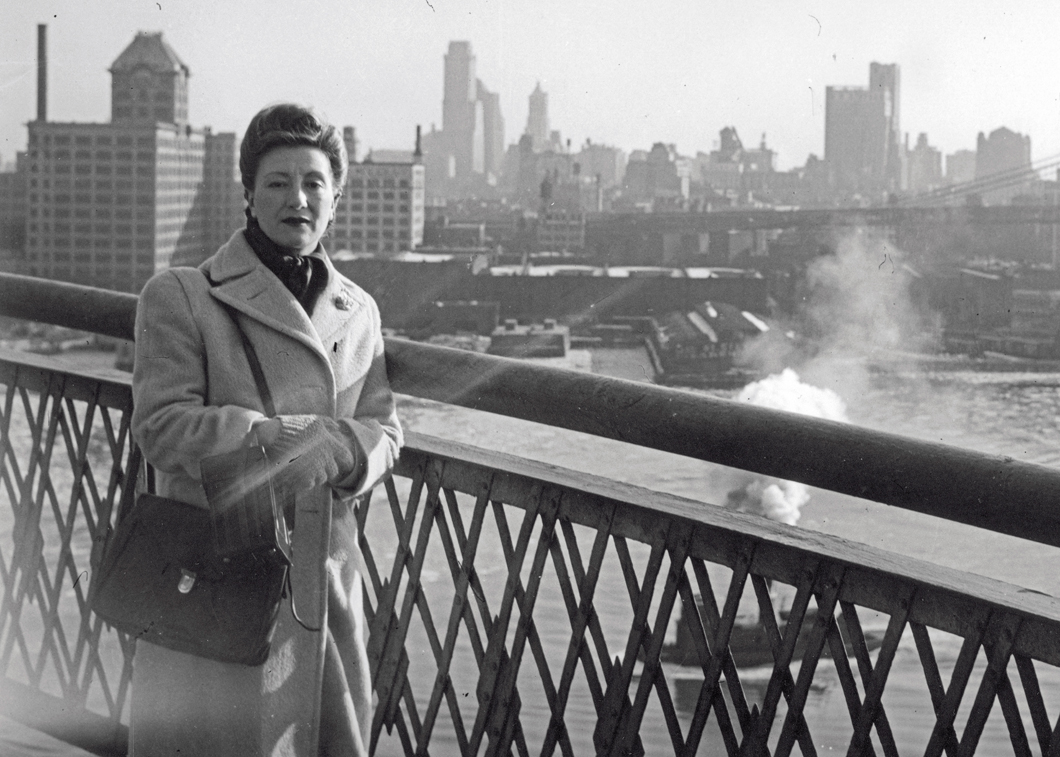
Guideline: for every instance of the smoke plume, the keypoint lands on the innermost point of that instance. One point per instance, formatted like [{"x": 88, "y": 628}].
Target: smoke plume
[
  {"x": 855, "y": 304},
  {"x": 776, "y": 499}
]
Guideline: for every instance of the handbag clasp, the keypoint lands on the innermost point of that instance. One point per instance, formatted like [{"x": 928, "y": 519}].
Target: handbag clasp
[{"x": 187, "y": 581}]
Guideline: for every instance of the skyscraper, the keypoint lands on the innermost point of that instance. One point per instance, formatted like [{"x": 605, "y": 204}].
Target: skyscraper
[
  {"x": 492, "y": 133},
  {"x": 468, "y": 151},
  {"x": 861, "y": 135},
  {"x": 460, "y": 106},
  {"x": 885, "y": 78},
  {"x": 537, "y": 119}
]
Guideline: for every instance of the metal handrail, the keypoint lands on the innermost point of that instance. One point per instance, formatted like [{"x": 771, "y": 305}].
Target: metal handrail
[{"x": 987, "y": 491}]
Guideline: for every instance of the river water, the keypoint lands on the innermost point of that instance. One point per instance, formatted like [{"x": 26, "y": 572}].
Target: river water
[{"x": 1011, "y": 412}]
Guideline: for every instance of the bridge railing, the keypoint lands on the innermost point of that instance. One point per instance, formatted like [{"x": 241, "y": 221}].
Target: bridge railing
[{"x": 519, "y": 607}]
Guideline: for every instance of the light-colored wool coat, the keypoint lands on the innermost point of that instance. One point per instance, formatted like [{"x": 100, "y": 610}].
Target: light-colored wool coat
[{"x": 194, "y": 396}]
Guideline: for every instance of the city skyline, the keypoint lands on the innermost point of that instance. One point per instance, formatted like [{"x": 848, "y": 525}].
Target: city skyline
[{"x": 691, "y": 70}]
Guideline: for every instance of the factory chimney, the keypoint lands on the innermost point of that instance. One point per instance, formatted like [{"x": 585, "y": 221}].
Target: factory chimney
[
  {"x": 417, "y": 155},
  {"x": 42, "y": 72}
]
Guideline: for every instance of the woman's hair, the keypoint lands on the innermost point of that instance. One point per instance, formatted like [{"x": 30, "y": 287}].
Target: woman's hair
[{"x": 290, "y": 125}]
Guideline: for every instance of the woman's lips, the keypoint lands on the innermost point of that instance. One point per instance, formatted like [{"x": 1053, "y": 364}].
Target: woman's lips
[{"x": 296, "y": 221}]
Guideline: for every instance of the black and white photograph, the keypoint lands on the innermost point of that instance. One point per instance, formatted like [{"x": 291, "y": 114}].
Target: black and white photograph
[{"x": 486, "y": 377}]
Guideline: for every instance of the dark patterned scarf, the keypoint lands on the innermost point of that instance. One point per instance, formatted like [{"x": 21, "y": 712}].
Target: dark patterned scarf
[{"x": 305, "y": 276}]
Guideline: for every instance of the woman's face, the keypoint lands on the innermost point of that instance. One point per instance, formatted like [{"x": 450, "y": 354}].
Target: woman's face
[{"x": 293, "y": 197}]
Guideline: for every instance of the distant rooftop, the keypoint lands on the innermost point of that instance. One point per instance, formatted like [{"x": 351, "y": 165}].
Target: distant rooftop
[
  {"x": 389, "y": 156},
  {"x": 149, "y": 50}
]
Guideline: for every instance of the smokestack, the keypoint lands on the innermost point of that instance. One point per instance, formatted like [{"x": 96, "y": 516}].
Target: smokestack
[
  {"x": 349, "y": 136},
  {"x": 42, "y": 72},
  {"x": 417, "y": 155}
]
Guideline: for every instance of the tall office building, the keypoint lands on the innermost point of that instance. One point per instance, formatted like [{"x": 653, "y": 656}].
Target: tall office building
[
  {"x": 110, "y": 204},
  {"x": 467, "y": 152},
  {"x": 885, "y": 78},
  {"x": 13, "y": 214},
  {"x": 460, "y": 110},
  {"x": 223, "y": 191},
  {"x": 492, "y": 133},
  {"x": 1003, "y": 165},
  {"x": 537, "y": 119},
  {"x": 861, "y": 136}
]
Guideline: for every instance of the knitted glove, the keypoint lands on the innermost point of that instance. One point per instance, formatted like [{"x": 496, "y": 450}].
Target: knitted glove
[{"x": 307, "y": 450}]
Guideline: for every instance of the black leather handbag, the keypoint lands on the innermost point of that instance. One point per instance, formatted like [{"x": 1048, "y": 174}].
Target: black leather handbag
[
  {"x": 160, "y": 580},
  {"x": 205, "y": 582}
]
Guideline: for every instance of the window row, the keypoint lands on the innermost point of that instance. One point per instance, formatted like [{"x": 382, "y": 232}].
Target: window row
[
  {"x": 376, "y": 246},
  {"x": 372, "y": 195},
  {"x": 122, "y": 214},
  {"x": 82, "y": 243},
  {"x": 65, "y": 184},
  {"x": 376, "y": 234},
  {"x": 370, "y": 221},
  {"x": 356, "y": 182},
  {"x": 122, "y": 229},
  {"x": 86, "y": 199},
  {"x": 83, "y": 140}
]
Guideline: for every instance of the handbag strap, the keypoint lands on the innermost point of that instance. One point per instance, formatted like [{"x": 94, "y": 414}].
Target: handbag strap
[
  {"x": 252, "y": 356},
  {"x": 255, "y": 365}
]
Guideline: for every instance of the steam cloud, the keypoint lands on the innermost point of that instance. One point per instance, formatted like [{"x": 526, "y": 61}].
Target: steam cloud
[
  {"x": 776, "y": 499},
  {"x": 856, "y": 304}
]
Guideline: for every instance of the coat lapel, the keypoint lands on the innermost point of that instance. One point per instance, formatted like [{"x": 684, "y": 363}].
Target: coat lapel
[
  {"x": 242, "y": 281},
  {"x": 336, "y": 306}
]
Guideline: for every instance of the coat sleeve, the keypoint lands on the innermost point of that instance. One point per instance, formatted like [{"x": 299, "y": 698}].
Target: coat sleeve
[
  {"x": 172, "y": 422},
  {"x": 374, "y": 425}
]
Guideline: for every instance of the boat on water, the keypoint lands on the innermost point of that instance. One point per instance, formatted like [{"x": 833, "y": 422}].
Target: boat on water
[{"x": 749, "y": 641}]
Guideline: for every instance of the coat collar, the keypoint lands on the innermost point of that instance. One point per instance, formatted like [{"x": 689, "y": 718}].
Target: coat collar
[{"x": 242, "y": 280}]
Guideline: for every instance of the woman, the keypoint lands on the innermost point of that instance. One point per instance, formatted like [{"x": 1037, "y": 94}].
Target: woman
[{"x": 317, "y": 336}]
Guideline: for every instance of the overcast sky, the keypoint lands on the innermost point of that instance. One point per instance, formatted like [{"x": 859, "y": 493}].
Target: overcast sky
[{"x": 622, "y": 72}]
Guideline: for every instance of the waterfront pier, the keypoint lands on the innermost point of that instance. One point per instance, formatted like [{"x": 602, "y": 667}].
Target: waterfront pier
[{"x": 465, "y": 545}]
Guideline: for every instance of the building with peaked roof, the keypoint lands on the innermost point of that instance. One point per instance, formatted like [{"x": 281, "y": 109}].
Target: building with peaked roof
[
  {"x": 110, "y": 204},
  {"x": 149, "y": 83},
  {"x": 537, "y": 119}
]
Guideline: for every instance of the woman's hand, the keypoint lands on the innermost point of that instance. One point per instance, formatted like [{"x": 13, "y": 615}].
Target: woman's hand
[{"x": 307, "y": 450}]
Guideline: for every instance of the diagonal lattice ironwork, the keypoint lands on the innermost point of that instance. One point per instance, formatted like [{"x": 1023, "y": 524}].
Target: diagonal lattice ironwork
[
  {"x": 549, "y": 536},
  {"x": 65, "y": 457}
]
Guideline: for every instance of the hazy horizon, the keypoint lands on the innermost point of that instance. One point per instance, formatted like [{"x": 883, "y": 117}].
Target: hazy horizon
[{"x": 628, "y": 75}]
